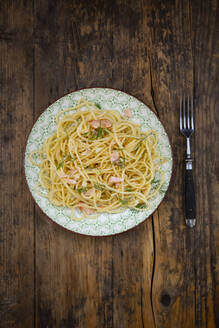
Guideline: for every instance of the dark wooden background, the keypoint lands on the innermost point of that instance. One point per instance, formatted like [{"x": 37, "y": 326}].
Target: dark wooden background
[{"x": 160, "y": 274}]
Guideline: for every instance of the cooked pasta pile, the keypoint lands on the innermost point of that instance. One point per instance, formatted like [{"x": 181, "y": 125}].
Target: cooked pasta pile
[{"x": 98, "y": 161}]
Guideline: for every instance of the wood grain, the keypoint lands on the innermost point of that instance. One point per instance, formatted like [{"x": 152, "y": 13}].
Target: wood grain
[
  {"x": 184, "y": 283},
  {"x": 160, "y": 274},
  {"x": 16, "y": 211},
  {"x": 71, "y": 270},
  {"x": 171, "y": 62}
]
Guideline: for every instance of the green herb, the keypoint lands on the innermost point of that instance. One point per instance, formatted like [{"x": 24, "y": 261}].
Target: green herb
[
  {"x": 123, "y": 201},
  {"x": 98, "y": 105},
  {"x": 140, "y": 142},
  {"x": 155, "y": 182},
  {"x": 60, "y": 165},
  {"x": 122, "y": 162},
  {"x": 98, "y": 133},
  {"x": 82, "y": 189},
  {"x": 129, "y": 189},
  {"x": 141, "y": 205},
  {"x": 98, "y": 186},
  {"x": 65, "y": 158},
  {"x": 138, "y": 145},
  {"x": 101, "y": 132},
  {"x": 85, "y": 134},
  {"x": 105, "y": 131},
  {"x": 93, "y": 136}
]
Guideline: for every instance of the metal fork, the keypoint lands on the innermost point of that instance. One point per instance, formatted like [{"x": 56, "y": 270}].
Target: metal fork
[{"x": 187, "y": 129}]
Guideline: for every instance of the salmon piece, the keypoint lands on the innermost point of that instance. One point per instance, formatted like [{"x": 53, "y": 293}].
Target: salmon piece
[
  {"x": 101, "y": 123},
  {"x": 85, "y": 210},
  {"x": 113, "y": 179},
  {"x": 127, "y": 112},
  {"x": 71, "y": 181},
  {"x": 114, "y": 156},
  {"x": 106, "y": 124},
  {"x": 95, "y": 124}
]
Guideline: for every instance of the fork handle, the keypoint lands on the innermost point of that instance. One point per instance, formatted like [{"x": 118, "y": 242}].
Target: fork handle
[{"x": 190, "y": 205}]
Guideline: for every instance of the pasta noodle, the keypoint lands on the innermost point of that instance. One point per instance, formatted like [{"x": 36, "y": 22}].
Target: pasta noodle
[{"x": 98, "y": 161}]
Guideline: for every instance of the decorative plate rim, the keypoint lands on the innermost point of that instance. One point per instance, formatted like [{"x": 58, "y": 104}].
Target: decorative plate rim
[{"x": 161, "y": 199}]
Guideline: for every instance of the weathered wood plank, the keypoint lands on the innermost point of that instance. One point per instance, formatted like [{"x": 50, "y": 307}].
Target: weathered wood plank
[
  {"x": 171, "y": 67},
  {"x": 74, "y": 273},
  {"x": 205, "y": 27},
  {"x": 16, "y": 213},
  {"x": 133, "y": 252},
  {"x": 183, "y": 37}
]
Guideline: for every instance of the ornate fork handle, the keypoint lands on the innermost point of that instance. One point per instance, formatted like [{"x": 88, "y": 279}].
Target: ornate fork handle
[
  {"x": 190, "y": 206},
  {"x": 187, "y": 129}
]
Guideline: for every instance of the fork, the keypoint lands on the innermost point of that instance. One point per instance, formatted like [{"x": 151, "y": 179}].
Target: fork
[{"x": 187, "y": 129}]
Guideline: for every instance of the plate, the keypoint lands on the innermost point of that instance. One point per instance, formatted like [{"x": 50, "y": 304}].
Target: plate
[{"x": 106, "y": 224}]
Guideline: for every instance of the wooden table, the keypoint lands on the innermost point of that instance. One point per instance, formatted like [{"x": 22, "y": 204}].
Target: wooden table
[{"x": 160, "y": 274}]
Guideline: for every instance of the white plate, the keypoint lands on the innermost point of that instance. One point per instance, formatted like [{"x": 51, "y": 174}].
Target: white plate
[{"x": 105, "y": 224}]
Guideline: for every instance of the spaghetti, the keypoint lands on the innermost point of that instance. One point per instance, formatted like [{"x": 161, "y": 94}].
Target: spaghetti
[{"x": 99, "y": 161}]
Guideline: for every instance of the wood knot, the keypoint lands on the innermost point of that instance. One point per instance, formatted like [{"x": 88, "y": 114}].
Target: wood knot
[{"x": 165, "y": 299}]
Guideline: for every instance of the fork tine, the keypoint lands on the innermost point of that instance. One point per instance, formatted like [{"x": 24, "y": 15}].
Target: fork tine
[
  {"x": 184, "y": 111},
  {"x": 188, "y": 110},
  {"x": 192, "y": 114},
  {"x": 180, "y": 119}
]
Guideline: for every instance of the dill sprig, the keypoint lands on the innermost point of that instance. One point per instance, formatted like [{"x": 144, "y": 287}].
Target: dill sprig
[
  {"x": 141, "y": 205},
  {"x": 141, "y": 141},
  {"x": 123, "y": 201},
  {"x": 99, "y": 133},
  {"x": 65, "y": 158},
  {"x": 99, "y": 186},
  {"x": 82, "y": 189},
  {"x": 98, "y": 106},
  {"x": 121, "y": 162}
]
